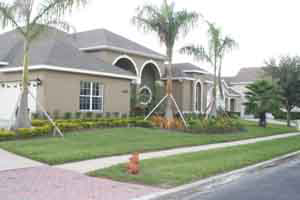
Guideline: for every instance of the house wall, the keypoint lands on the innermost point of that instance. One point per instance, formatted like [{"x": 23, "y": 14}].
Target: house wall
[
  {"x": 111, "y": 56},
  {"x": 61, "y": 90}
]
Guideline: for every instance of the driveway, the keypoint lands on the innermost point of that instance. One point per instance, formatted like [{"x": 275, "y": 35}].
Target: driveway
[
  {"x": 49, "y": 183},
  {"x": 277, "y": 183},
  {"x": 10, "y": 161}
]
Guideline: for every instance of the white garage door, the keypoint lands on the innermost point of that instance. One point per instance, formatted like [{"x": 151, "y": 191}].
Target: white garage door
[{"x": 9, "y": 94}]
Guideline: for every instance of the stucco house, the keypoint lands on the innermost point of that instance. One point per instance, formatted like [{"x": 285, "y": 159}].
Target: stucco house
[{"x": 92, "y": 71}]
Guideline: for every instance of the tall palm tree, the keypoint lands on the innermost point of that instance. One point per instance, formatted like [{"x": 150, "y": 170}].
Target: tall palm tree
[
  {"x": 169, "y": 25},
  {"x": 31, "y": 18},
  {"x": 218, "y": 46}
]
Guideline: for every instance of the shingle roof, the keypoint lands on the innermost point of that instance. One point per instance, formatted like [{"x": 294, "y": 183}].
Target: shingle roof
[
  {"x": 178, "y": 70},
  {"x": 103, "y": 37},
  {"x": 248, "y": 74},
  {"x": 53, "y": 48}
]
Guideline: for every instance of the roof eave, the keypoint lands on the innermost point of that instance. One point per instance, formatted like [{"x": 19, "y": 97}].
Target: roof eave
[
  {"x": 122, "y": 50},
  {"x": 67, "y": 69}
]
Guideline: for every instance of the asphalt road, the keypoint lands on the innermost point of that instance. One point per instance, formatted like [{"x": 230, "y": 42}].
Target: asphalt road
[{"x": 276, "y": 183}]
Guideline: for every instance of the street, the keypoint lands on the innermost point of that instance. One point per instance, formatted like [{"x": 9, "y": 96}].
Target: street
[{"x": 276, "y": 183}]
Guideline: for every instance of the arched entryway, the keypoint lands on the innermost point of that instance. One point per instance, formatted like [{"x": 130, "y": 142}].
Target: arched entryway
[
  {"x": 198, "y": 96},
  {"x": 150, "y": 73},
  {"x": 126, "y": 63}
]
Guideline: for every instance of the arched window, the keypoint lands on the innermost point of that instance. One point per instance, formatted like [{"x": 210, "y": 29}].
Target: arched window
[
  {"x": 198, "y": 94},
  {"x": 126, "y": 63}
]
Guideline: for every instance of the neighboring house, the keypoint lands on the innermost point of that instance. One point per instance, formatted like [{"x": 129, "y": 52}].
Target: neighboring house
[
  {"x": 239, "y": 83},
  {"x": 193, "y": 88},
  {"x": 93, "y": 71}
]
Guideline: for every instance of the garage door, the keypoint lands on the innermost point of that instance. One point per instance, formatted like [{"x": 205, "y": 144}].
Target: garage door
[{"x": 9, "y": 94}]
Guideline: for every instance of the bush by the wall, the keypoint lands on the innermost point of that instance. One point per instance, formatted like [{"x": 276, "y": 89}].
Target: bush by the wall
[
  {"x": 67, "y": 115},
  {"x": 7, "y": 135},
  {"x": 215, "y": 125}
]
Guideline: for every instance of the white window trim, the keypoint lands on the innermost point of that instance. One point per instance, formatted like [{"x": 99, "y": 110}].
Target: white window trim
[
  {"x": 150, "y": 62},
  {"x": 101, "y": 95}
]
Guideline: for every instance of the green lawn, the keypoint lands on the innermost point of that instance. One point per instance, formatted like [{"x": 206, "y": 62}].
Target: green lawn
[
  {"x": 108, "y": 142},
  {"x": 186, "y": 168}
]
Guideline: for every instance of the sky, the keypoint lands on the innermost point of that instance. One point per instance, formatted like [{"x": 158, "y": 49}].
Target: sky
[{"x": 262, "y": 28}]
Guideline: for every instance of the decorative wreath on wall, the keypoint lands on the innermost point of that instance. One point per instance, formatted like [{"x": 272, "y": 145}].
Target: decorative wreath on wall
[{"x": 145, "y": 95}]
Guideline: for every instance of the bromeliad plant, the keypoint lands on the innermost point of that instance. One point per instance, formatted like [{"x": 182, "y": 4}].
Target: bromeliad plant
[{"x": 31, "y": 18}]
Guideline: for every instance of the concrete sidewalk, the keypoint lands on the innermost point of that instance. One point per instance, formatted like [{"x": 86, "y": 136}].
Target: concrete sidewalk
[
  {"x": 91, "y": 165},
  {"x": 10, "y": 161}
]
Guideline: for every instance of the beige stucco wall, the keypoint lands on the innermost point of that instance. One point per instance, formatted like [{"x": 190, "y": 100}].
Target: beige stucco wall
[
  {"x": 61, "y": 90},
  {"x": 111, "y": 56}
]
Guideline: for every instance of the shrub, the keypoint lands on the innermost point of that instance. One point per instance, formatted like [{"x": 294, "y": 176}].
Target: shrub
[
  {"x": 215, "y": 125},
  {"x": 89, "y": 115},
  {"x": 143, "y": 124},
  {"x": 68, "y": 126},
  {"x": 67, "y": 115},
  {"x": 7, "y": 135},
  {"x": 77, "y": 115},
  {"x": 25, "y": 132},
  {"x": 39, "y": 123},
  {"x": 99, "y": 115},
  {"x": 56, "y": 114}
]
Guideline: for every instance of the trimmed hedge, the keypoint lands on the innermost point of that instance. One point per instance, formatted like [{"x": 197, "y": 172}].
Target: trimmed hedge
[
  {"x": 44, "y": 127},
  {"x": 7, "y": 135}
]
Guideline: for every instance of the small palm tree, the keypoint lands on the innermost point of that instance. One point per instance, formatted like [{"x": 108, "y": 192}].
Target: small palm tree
[
  {"x": 169, "y": 24},
  {"x": 218, "y": 46},
  {"x": 262, "y": 97},
  {"x": 31, "y": 18}
]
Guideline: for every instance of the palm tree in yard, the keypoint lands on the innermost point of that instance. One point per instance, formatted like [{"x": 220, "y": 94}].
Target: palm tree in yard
[
  {"x": 218, "y": 46},
  {"x": 169, "y": 24},
  {"x": 262, "y": 97},
  {"x": 31, "y": 18}
]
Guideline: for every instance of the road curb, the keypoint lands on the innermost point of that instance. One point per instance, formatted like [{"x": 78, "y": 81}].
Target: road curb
[{"x": 211, "y": 181}]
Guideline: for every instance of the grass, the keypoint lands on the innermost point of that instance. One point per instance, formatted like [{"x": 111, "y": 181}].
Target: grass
[
  {"x": 109, "y": 142},
  {"x": 182, "y": 169}
]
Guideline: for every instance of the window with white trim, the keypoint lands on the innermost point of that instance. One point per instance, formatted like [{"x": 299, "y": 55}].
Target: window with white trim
[{"x": 91, "y": 96}]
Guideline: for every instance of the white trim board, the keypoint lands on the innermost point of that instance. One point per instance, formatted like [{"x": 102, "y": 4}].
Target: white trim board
[
  {"x": 2, "y": 63},
  {"x": 122, "y": 50},
  {"x": 66, "y": 69}
]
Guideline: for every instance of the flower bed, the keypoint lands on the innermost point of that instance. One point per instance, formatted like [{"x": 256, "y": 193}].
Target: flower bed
[{"x": 215, "y": 125}]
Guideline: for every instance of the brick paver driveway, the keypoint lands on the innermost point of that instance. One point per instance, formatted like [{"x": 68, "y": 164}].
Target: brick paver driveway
[{"x": 48, "y": 183}]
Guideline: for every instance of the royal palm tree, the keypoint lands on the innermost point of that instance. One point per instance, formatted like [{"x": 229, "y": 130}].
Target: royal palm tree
[
  {"x": 31, "y": 18},
  {"x": 169, "y": 24},
  {"x": 286, "y": 76},
  {"x": 218, "y": 46},
  {"x": 262, "y": 97}
]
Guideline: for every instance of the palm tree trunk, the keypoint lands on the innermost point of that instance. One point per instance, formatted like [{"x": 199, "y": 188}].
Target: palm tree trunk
[
  {"x": 22, "y": 115},
  {"x": 214, "y": 104},
  {"x": 169, "y": 87}
]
